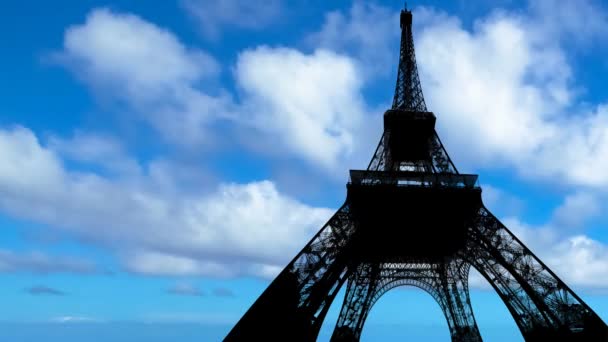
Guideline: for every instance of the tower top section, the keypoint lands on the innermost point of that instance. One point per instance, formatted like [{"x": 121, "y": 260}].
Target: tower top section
[
  {"x": 408, "y": 91},
  {"x": 406, "y": 18}
]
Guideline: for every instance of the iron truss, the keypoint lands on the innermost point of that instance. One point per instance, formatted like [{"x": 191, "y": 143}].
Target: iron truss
[
  {"x": 542, "y": 305},
  {"x": 346, "y": 249},
  {"x": 408, "y": 91},
  {"x": 438, "y": 159},
  {"x": 446, "y": 282}
]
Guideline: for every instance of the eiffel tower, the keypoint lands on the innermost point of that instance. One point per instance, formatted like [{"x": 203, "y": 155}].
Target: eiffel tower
[{"x": 412, "y": 219}]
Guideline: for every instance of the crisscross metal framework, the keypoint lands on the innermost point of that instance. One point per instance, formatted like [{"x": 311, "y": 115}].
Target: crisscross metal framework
[{"x": 410, "y": 160}]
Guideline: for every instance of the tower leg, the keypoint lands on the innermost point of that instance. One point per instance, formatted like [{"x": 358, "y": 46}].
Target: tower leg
[
  {"x": 543, "y": 306},
  {"x": 456, "y": 302},
  {"x": 299, "y": 297},
  {"x": 357, "y": 303}
]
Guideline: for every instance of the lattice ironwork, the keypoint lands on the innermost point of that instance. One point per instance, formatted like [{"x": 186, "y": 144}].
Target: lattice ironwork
[
  {"x": 438, "y": 159},
  {"x": 408, "y": 91},
  {"x": 542, "y": 305},
  {"x": 445, "y": 282},
  {"x": 299, "y": 297},
  {"x": 412, "y": 219}
]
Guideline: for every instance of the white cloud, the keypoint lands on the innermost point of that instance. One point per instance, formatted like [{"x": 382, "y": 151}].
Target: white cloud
[
  {"x": 154, "y": 263},
  {"x": 112, "y": 45},
  {"x": 236, "y": 229},
  {"x": 91, "y": 148},
  {"x": 368, "y": 31},
  {"x": 504, "y": 83},
  {"x": 504, "y": 90},
  {"x": 500, "y": 201},
  {"x": 266, "y": 271},
  {"x": 233, "y": 229},
  {"x": 311, "y": 102},
  {"x": 581, "y": 21},
  {"x": 147, "y": 68},
  {"x": 42, "y": 263},
  {"x": 577, "y": 209},
  {"x": 212, "y": 16},
  {"x": 582, "y": 260},
  {"x": 475, "y": 82}
]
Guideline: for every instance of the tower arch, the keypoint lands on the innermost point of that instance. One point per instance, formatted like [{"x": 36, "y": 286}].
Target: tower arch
[{"x": 446, "y": 282}]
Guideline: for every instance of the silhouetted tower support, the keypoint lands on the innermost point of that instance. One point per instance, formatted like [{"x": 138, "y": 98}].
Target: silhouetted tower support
[
  {"x": 447, "y": 283},
  {"x": 408, "y": 91},
  {"x": 412, "y": 219}
]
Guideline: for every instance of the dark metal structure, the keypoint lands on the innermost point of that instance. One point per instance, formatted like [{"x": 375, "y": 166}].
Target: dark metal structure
[{"x": 412, "y": 219}]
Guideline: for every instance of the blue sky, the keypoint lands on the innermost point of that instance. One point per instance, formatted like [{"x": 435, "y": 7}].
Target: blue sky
[{"x": 162, "y": 161}]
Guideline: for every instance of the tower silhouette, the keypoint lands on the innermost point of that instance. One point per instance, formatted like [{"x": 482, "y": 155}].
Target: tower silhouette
[{"x": 411, "y": 218}]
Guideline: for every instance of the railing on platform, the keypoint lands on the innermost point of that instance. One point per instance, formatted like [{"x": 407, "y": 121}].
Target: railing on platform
[
  {"x": 410, "y": 178},
  {"x": 409, "y": 114}
]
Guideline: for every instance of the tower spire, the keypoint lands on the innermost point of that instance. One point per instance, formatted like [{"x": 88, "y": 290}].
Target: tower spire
[{"x": 408, "y": 91}]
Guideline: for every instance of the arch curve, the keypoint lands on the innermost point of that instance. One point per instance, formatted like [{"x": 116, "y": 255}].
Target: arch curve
[
  {"x": 395, "y": 283},
  {"x": 446, "y": 282}
]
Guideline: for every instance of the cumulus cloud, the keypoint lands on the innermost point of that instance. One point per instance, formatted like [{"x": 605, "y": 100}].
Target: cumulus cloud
[
  {"x": 507, "y": 84},
  {"x": 582, "y": 261},
  {"x": 90, "y": 148},
  {"x": 221, "y": 233},
  {"x": 155, "y": 263},
  {"x": 504, "y": 82},
  {"x": 581, "y": 21},
  {"x": 309, "y": 104},
  {"x": 41, "y": 263},
  {"x": 312, "y": 102},
  {"x": 577, "y": 209},
  {"x": 368, "y": 31},
  {"x": 501, "y": 202},
  {"x": 148, "y": 69},
  {"x": 110, "y": 45},
  {"x": 213, "y": 16}
]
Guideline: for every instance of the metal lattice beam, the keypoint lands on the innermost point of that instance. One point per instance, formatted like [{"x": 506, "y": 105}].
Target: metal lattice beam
[
  {"x": 411, "y": 166},
  {"x": 408, "y": 91}
]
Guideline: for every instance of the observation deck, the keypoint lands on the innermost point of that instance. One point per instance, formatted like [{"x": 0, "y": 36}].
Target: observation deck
[
  {"x": 416, "y": 215},
  {"x": 411, "y": 178},
  {"x": 410, "y": 133}
]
